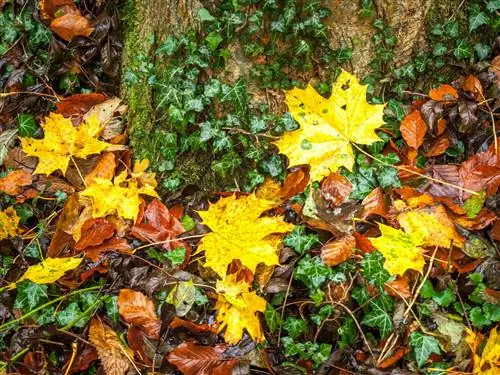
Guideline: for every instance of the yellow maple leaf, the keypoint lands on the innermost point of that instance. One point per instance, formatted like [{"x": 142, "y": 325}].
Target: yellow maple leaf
[
  {"x": 433, "y": 224},
  {"x": 238, "y": 232},
  {"x": 402, "y": 251},
  {"x": 48, "y": 271},
  {"x": 328, "y": 126},
  {"x": 237, "y": 310},
  {"x": 9, "y": 222},
  {"x": 488, "y": 362},
  {"x": 62, "y": 141},
  {"x": 120, "y": 196}
]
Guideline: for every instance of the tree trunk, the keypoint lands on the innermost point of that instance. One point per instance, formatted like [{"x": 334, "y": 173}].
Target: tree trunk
[{"x": 145, "y": 19}]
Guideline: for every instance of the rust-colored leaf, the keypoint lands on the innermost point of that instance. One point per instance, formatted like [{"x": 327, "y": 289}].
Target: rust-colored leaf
[
  {"x": 79, "y": 104},
  {"x": 495, "y": 230},
  {"x": 437, "y": 146},
  {"x": 398, "y": 354},
  {"x": 114, "y": 356},
  {"x": 104, "y": 168},
  {"x": 481, "y": 171},
  {"x": 375, "y": 204},
  {"x": 474, "y": 86},
  {"x": 138, "y": 310},
  {"x": 94, "y": 232},
  {"x": 398, "y": 288},
  {"x": 446, "y": 173},
  {"x": 335, "y": 188},
  {"x": 192, "y": 359},
  {"x": 84, "y": 359},
  {"x": 50, "y": 8},
  {"x": 295, "y": 182},
  {"x": 440, "y": 126},
  {"x": 114, "y": 244},
  {"x": 338, "y": 251},
  {"x": 12, "y": 183},
  {"x": 70, "y": 25},
  {"x": 444, "y": 93},
  {"x": 363, "y": 243},
  {"x": 413, "y": 129},
  {"x": 192, "y": 327},
  {"x": 481, "y": 221},
  {"x": 135, "y": 340},
  {"x": 160, "y": 226}
]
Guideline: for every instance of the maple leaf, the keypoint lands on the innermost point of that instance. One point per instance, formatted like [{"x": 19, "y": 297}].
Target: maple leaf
[
  {"x": 110, "y": 198},
  {"x": 402, "y": 251},
  {"x": 237, "y": 309},
  {"x": 328, "y": 126},
  {"x": 239, "y": 232},
  {"x": 62, "y": 141},
  {"x": 488, "y": 362},
  {"x": 9, "y": 222},
  {"x": 48, "y": 271},
  {"x": 139, "y": 310},
  {"x": 192, "y": 359},
  {"x": 114, "y": 356}
]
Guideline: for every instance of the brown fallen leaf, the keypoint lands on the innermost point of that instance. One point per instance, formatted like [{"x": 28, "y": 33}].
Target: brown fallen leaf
[
  {"x": 70, "y": 25},
  {"x": 398, "y": 354},
  {"x": 192, "y": 327},
  {"x": 104, "y": 168},
  {"x": 79, "y": 104},
  {"x": 338, "y": 251},
  {"x": 115, "y": 357},
  {"x": 135, "y": 339},
  {"x": 413, "y": 129},
  {"x": 444, "y": 93},
  {"x": 473, "y": 85},
  {"x": 437, "y": 146},
  {"x": 138, "y": 310},
  {"x": 375, "y": 204},
  {"x": 94, "y": 232},
  {"x": 335, "y": 188},
  {"x": 398, "y": 288},
  {"x": 192, "y": 359},
  {"x": 117, "y": 244},
  {"x": 295, "y": 182},
  {"x": 14, "y": 181},
  {"x": 479, "y": 172}
]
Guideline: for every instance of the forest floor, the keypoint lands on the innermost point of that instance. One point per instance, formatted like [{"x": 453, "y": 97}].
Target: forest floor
[{"x": 262, "y": 225}]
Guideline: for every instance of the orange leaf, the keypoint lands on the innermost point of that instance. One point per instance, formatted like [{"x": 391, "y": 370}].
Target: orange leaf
[
  {"x": 363, "y": 243},
  {"x": 192, "y": 359},
  {"x": 114, "y": 356},
  {"x": 443, "y": 93},
  {"x": 438, "y": 146},
  {"x": 138, "y": 310},
  {"x": 374, "y": 204},
  {"x": 335, "y": 188},
  {"x": 398, "y": 288},
  {"x": 481, "y": 171},
  {"x": 114, "y": 244},
  {"x": 94, "y": 232},
  {"x": 473, "y": 85},
  {"x": 104, "y": 168},
  {"x": 338, "y": 251},
  {"x": 70, "y": 25},
  {"x": 413, "y": 129},
  {"x": 12, "y": 183},
  {"x": 190, "y": 326},
  {"x": 394, "y": 358},
  {"x": 295, "y": 182},
  {"x": 79, "y": 104},
  {"x": 440, "y": 126}
]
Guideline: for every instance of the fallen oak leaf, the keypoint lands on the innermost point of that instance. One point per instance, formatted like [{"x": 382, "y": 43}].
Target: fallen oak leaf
[
  {"x": 70, "y": 25},
  {"x": 192, "y": 359},
  {"x": 48, "y": 271},
  {"x": 230, "y": 219},
  {"x": 328, "y": 126},
  {"x": 115, "y": 357},
  {"x": 138, "y": 310},
  {"x": 14, "y": 181}
]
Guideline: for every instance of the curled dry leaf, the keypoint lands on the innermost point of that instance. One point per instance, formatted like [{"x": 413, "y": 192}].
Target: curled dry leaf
[
  {"x": 70, "y": 25},
  {"x": 192, "y": 359},
  {"x": 413, "y": 129},
  {"x": 115, "y": 357},
  {"x": 473, "y": 85},
  {"x": 14, "y": 181},
  {"x": 104, "y": 168},
  {"x": 138, "y": 310},
  {"x": 338, "y": 251},
  {"x": 336, "y": 188},
  {"x": 437, "y": 146}
]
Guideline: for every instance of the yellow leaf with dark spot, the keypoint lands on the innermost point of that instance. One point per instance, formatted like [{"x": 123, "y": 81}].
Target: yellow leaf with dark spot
[
  {"x": 329, "y": 126},
  {"x": 9, "y": 222},
  {"x": 239, "y": 232},
  {"x": 402, "y": 251}
]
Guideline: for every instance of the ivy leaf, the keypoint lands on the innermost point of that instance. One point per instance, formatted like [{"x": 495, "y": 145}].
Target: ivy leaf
[
  {"x": 72, "y": 315},
  {"x": 463, "y": 50},
  {"x": 30, "y": 295},
  {"x": 273, "y": 319},
  {"x": 378, "y": 317},
  {"x": 373, "y": 269},
  {"x": 348, "y": 333},
  {"x": 295, "y": 327},
  {"x": 312, "y": 272},
  {"x": 477, "y": 18},
  {"x": 26, "y": 124},
  {"x": 423, "y": 346},
  {"x": 300, "y": 241}
]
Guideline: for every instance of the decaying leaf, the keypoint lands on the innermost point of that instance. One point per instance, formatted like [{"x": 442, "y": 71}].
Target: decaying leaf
[
  {"x": 335, "y": 188},
  {"x": 402, "y": 251},
  {"x": 338, "y": 251},
  {"x": 9, "y": 223},
  {"x": 239, "y": 232},
  {"x": 110, "y": 198},
  {"x": 115, "y": 357},
  {"x": 192, "y": 359},
  {"x": 70, "y": 25},
  {"x": 63, "y": 141},
  {"x": 14, "y": 181},
  {"x": 183, "y": 297},
  {"x": 328, "y": 126},
  {"x": 48, "y": 271},
  {"x": 488, "y": 362},
  {"x": 138, "y": 310},
  {"x": 237, "y": 310},
  {"x": 7, "y": 139},
  {"x": 413, "y": 129},
  {"x": 443, "y": 93}
]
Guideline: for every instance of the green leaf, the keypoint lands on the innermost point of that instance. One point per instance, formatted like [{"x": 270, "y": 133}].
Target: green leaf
[
  {"x": 492, "y": 311},
  {"x": 205, "y": 15},
  {"x": 214, "y": 39},
  {"x": 423, "y": 346},
  {"x": 477, "y": 18},
  {"x": 301, "y": 242},
  {"x": 45, "y": 315},
  {"x": 111, "y": 307},
  {"x": 188, "y": 223},
  {"x": 30, "y": 295},
  {"x": 463, "y": 50},
  {"x": 444, "y": 298},
  {"x": 176, "y": 256},
  {"x": 295, "y": 327},
  {"x": 474, "y": 204},
  {"x": 478, "y": 318},
  {"x": 273, "y": 319},
  {"x": 324, "y": 313},
  {"x": 27, "y": 125},
  {"x": 312, "y": 272},
  {"x": 482, "y": 50},
  {"x": 373, "y": 269},
  {"x": 452, "y": 29},
  {"x": 439, "y": 49},
  {"x": 377, "y": 317},
  {"x": 348, "y": 333},
  {"x": 493, "y": 5},
  {"x": 72, "y": 315},
  {"x": 6, "y": 262},
  {"x": 227, "y": 164},
  {"x": 427, "y": 290}
]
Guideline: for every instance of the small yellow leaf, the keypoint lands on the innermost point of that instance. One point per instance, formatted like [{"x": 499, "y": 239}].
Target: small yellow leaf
[
  {"x": 9, "y": 222},
  {"x": 488, "y": 363},
  {"x": 239, "y": 232},
  {"x": 401, "y": 251},
  {"x": 328, "y": 126},
  {"x": 433, "y": 224},
  {"x": 48, "y": 271},
  {"x": 63, "y": 141},
  {"x": 237, "y": 310},
  {"x": 120, "y": 197}
]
